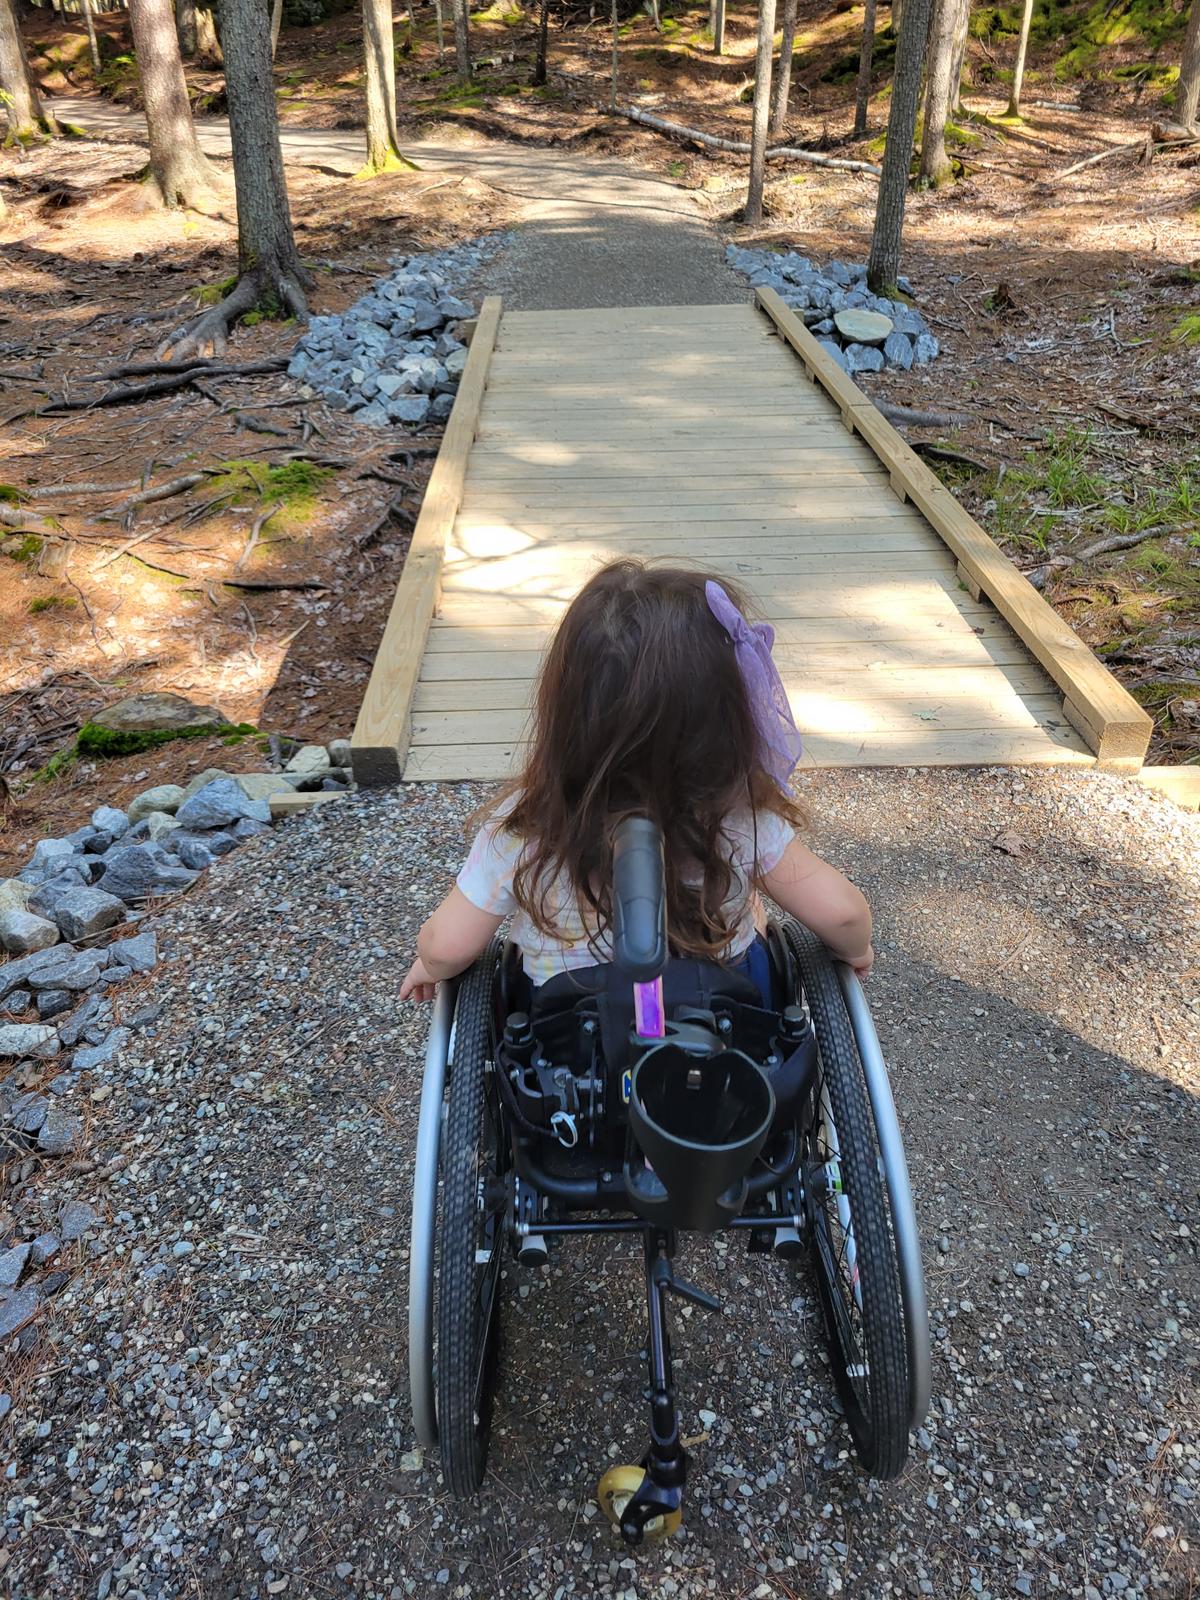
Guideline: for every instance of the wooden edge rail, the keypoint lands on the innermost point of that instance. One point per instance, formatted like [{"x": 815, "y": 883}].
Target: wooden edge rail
[
  {"x": 379, "y": 744},
  {"x": 1105, "y": 714},
  {"x": 287, "y": 805},
  {"x": 1181, "y": 784}
]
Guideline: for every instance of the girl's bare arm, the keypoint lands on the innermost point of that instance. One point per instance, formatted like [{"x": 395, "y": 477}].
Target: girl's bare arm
[
  {"x": 825, "y": 900},
  {"x": 448, "y": 943}
]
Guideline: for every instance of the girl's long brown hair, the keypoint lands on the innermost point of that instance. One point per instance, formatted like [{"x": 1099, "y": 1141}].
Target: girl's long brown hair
[{"x": 640, "y": 709}]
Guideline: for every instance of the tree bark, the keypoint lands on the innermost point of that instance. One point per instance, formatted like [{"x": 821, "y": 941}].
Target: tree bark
[
  {"x": 178, "y": 166},
  {"x": 935, "y": 165},
  {"x": 208, "y": 43},
  {"x": 276, "y": 23},
  {"x": 866, "y": 61},
  {"x": 185, "y": 27},
  {"x": 783, "y": 84},
  {"x": 616, "y": 58},
  {"x": 762, "y": 104},
  {"x": 462, "y": 39},
  {"x": 441, "y": 30},
  {"x": 90, "y": 25},
  {"x": 883, "y": 265},
  {"x": 270, "y": 272},
  {"x": 543, "y": 44},
  {"x": 717, "y": 14},
  {"x": 1187, "y": 95},
  {"x": 23, "y": 107},
  {"x": 958, "y": 59},
  {"x": 383, "y": 140},
  {"x": 897, "y": 16}
]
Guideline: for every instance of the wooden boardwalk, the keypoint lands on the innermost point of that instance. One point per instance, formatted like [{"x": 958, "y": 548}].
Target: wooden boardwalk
[{"x": 690, "y": 434}]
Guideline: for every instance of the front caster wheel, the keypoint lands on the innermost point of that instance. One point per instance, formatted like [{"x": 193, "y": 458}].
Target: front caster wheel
[{"x": 617, "y": 1488}]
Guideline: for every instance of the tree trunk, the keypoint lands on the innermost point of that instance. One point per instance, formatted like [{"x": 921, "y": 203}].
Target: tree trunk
[
  {"x": 1014, "y": 99},
  {"x": 22, "y": 104},
  {"x": 178, "y": 166},
  {"x": 897, "y": 17},
  {"x": 935, "y": 165},
  {"x": 185, "y": 27},
  {"x": 783, "y": 84},
  {"x": 270, "y": 272},
  {"x": 762, "y": 105},
  {"x": 883, "y": 265},
  {"x": 462, "y": 39},
  {"x": 383, "y": 141},
  {"x": 717, "y": 13},
  {"x": 1187, "y": 95},
  {"x": 89, "y": 24},
  {"x": 276, "y": 22},
  {"x": 543, "y": 44},
  {"x": 208, "y": 43},
  {"x": 441, "y": 29},
  {"x": 958, "y": 59},
  {"x": 866, "y": 61}
]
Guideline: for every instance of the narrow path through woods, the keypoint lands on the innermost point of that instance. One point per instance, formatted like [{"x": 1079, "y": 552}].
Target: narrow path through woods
[{"x": 593, "y": 233}]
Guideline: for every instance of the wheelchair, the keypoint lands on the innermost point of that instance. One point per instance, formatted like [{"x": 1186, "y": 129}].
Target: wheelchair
[{"x": 655, "y": 1096}]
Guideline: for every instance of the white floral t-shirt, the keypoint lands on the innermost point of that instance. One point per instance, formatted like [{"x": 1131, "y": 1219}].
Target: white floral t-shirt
[{"x": 487, "y": 879}]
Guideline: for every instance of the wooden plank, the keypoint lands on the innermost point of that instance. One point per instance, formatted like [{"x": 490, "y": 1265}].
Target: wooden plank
[
  {"x": 1107, "y": 715},
  {"x": 498, "y": 470},
  {"x": 922, "y": 686},
  {"x": 1181, "y": 784},
  {"x": 564, "y": 568},
  {"x": 483, "y": 539},
  {"x": 987, "y": 748},
  {"x": 949, "y": 654},
  {"x": 836, "y": 487},
  {"x": 740, "y": 521},
  {"x": 286, "y": 805},
  {"x": 915, "y": 632},
  {"x": 380, "y": 737}
]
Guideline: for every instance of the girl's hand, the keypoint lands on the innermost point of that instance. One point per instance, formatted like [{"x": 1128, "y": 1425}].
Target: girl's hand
[
  {"x": 418, "y": 985},
  {"x": 861, "y": 967}
]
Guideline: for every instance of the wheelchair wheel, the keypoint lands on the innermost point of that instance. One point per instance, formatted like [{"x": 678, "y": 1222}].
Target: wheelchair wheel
[
  {"x": 849, "y": 1226},
  {"x": 474, "y": 1155}
]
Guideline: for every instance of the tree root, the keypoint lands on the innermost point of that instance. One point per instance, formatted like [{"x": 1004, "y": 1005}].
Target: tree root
[
  {"x": 177, "y": 377},
  {"x": 676, "y": 130},
  {"x": 208, "y": 334}
]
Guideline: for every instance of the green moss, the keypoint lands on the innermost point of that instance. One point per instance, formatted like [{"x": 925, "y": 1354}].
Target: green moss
[
  {"x": 962, "y": 137},
  {"x": 211, "y": 294},
  {"x": 52, "y": 602},
  {"x": 1187, "y": 329},
  {"x": 28, "y": 548},
  {"x": 10, "y": 495},
  {"x": 107, "y": 743}
]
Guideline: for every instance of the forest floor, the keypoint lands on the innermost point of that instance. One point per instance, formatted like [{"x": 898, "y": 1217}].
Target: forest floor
[{"x": 1067, "y": 307}]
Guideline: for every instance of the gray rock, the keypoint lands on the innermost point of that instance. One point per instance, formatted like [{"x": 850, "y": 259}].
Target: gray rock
[
  {"x": 863, "y": 358},
  {"x": 455, "y": 363},
  {"x": 76, "y": 971},
  {"x": 114, "y": 975},
  {"x": 75, "y": 1219},
  {"x": 137, "y": 872},
  {"x": 19, "y": 973},
  {"x": 62, "y": 1083},
  {"x": 839, "y": 273},
  {"x": 24, "y": 931},
  {"x": 863, "y": 327},
  {"x": 14, "y": 894},
  {"x": 88, "y": 1057},
  {"x": 309, "y": 758},
  {"x": 158, "y": 823},
  {"x": 391, "y": 384},
  {"x": 440, "y": 407},
  {"x": 99, "y": 842},
  {"x": 83, "y": 913},
  {"x": 53, "y": 1002},
  {"x": 19, "y": 1000},
  {"x": 192, "y": 851},
  {"x": 28, "y": 1112},
  {"x": 28, "y": 1039},
  {"x": 898, "y": 350},
  {"x": 926, "y": 349},
  {"x": 201, "y": 781},
  {"x": 93, "y": 1009},
  {"x": 834, "y": 350},
  {"x": 249, "y": 828},
  {"x": 18, "y": 1309},
  {"x": 44, "y": 1248},
  {"x": 12, "y": 1265},
  {"x": 339, "y": 752},
  {"x": 164, "y": 797},
  {"x": 138, "y": 954},
  {"x": 109, "y": 819},
  {"x": 262, "y": 785},
  {"x": 146, "y": 1015},
  {"x": 456, "y": 310},
  {"x": 158, "y": 711},
  {"x": 374, "y": 415},
  {"x": 44, "y": 900},
  {"x": 409, "y": 408},
  {"x": 50, "y": 854},
  {"x": 220, "y": 803},
  {"x": 61, "y": 1132}
]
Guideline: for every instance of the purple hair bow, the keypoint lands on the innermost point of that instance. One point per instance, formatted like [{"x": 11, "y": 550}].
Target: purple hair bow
[{"x": 778, "y": 736}]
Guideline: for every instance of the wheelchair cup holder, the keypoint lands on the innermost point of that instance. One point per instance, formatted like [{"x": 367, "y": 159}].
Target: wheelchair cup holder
[{"x": 699, "y": 1122}]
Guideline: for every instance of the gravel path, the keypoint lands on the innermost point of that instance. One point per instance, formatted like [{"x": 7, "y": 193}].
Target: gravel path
[
  {"x": 215, "y": 1403},
  {"x": 592, "y": 233}
]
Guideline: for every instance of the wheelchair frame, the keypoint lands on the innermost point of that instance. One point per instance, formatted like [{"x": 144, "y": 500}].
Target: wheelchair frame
[{"x": 646, "y": 1501}]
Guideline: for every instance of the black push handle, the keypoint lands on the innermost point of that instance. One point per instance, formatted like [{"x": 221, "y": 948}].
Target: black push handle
[{"x": 639, "y": 900}]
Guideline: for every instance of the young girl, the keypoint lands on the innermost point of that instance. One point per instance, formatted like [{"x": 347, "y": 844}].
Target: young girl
[{"x": 657, "y": 698}]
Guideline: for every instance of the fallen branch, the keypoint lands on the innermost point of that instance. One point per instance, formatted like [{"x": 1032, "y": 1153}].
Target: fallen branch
[
  {"x": 123, "y": 550},
  {"x": 161, "y": 491},
  {"x": 266, "y": 585},
  {"x": 939, "y": 452},
  {"x": 256, "y": 528},
  {"x": 70, "y": 489},
  {"x": 920, "y": 419},
  {"x": 1123, "y": 541},
  {"x": 741, "y": 147},
  {"x": 1118, "y": 149},
  {"x": 179, "y": 378}
]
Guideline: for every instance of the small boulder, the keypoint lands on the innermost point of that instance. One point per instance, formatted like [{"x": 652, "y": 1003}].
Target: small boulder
[
  {"x": 24, "y": 931},
  {"x": 834, "y": 351},
  {"x": 12, "y": 1265},
  {"x": 200, "y": 781},
  {"x": 76, "y": 970},
  {"x": 262, "y": 785},
  {"x": 88, "y": 1057},
  {"x": 93, "y": 1009},
  {"x": 158, "y": 712},
  {"x": 863, "y": 327},
  {"x": 28, "y": 1112},
  {"x": 75, "y": 1220},
  {"x": 53, "y": 1002},
  {"x": 83, "y": 913},
  {"x": 28, "y": 1039},
  {"x": 20, "y": 1307},
  {"x": 409, "y": 408},
  {"x": 898, "y": 351},
  {"x": 44, "y": 900},
  {"x": 191, "y": 850},
  {"x": 309, "y": 758},
  {"x": 19, "y": 1000},
  {"x": 926, "y": 349},
  {"x": 44, "y": 1248},
  {"x": 14, "y": 894},
  {"x": 50, "y": 854},
  {"x": 110, "y": 820},
  {"x": 158, "y": 823},
  {"x": 248, "y": 828},
  {"x": 138, "y": 954},
  {"x": 863, "y": 358},
  {"x": 220, "y": 803},
  {"x": 20, "y": 973},
  {"x": 167, "y": 797},
  {"x": 138, "y": 872},
  {"x": 61, "y": 1132}
]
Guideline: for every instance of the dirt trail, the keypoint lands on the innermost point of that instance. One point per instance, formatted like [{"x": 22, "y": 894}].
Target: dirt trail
[{"x": 593, "y": 233}]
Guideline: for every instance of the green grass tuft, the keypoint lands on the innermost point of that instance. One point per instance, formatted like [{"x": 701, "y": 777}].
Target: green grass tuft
[{"x": 52, "y": 602}]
